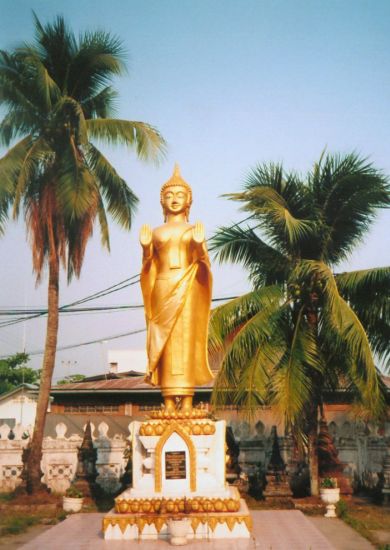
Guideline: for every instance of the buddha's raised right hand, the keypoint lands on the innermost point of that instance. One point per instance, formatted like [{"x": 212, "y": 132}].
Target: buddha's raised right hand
[{"x": 145, "y": 236}]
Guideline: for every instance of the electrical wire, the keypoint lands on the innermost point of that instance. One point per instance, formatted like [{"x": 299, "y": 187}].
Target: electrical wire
[
  {"x": 134, "y": 279},
  {"x": 108, "y": 338},
  {"x": 118, "y": 307}
]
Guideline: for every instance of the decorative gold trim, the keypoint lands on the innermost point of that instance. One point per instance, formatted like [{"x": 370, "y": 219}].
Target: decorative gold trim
[
  {"x": 153, "y": 428},
  {"x": 171, "y": 428},
  {"x": 193, "y": 414},
  {"x": 177, "y": 505},
  {"x": 159, "y": 521}
]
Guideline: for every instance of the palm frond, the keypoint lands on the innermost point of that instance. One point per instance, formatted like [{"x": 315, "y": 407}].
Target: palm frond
[
  {"x": 121, "y": 201},
  {"x": 76, "y": 186},
  {"x": 11, "y": 164},
  {"x": 293, "y": 383},
  {"x": 39, "y": 77},
  {"x": 364, "y": 281},
  {"x": 348, "y": 192},
  {"x": 100, "y": 105},
  {"x": 243, "y": 335},
  {"x": 344, "y": 321},
  {"x": 69, "y": 113},
  {"x": 242, "y": 245},
  {"x": 56, "y": 47},
  {"x": 228, "y": 318},
  {"x": 34, "y": 158},
  {"x": 146, "y": 140},
  {"x": 100, "y": 56},
  {"x": 367, "y": 292},
  {"x": 104, "y": 232},
  {"x": 284, "y": 231}
]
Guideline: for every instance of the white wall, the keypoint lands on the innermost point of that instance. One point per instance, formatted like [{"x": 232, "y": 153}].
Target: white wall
[{"x": 21, "y": 406}]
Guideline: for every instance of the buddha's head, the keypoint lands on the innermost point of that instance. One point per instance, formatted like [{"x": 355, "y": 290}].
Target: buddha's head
[{"x": 176, "y": 195}]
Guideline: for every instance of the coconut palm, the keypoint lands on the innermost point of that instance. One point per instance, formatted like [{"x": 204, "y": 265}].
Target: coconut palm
[
  {"x": 304, "y": 328},
  {"x": 58, "y": 101}
]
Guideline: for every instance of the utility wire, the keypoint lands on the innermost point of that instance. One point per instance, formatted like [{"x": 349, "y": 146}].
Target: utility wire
[
  {"x": 114, "y": 288},
  {"x": 134, "y": 279},
  {"x": 107, "y": 338},
  {"x": 118, "y": 307}
]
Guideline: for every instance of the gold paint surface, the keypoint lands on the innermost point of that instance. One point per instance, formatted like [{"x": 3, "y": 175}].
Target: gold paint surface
[
  {"x": 191, "y": 505},
  {"x": 152, "y": 428},
  {"x": 159, "y": 521},
  {"x": 176, "y": 286}
]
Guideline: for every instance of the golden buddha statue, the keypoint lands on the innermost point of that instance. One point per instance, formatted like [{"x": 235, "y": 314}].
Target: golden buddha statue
[{"x": 176, "y": 286}]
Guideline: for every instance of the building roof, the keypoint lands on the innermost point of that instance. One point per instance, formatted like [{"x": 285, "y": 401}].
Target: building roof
[
  {"x": 112, "y": 376},
  {"x": 131, "y": 382},
  {"x": 32, "y": 388},
  {"x": 125, "y": 384}
]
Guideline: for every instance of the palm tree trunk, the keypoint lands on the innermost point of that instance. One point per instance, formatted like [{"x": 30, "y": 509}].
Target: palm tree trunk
[
  {"x": 312, "y": 317},
  {"x": 34, "y": 473},
  {"x": 313, "y": 452}
]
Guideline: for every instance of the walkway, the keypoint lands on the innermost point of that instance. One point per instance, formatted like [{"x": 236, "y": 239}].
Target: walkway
[{"x": 273, "y": 530}]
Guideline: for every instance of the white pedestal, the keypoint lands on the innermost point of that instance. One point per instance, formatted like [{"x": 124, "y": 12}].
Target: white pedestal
[{"x": 178, "y": 471}]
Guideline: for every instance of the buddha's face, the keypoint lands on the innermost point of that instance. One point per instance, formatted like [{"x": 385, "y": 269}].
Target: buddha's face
[{"x": 175, "y": 200}]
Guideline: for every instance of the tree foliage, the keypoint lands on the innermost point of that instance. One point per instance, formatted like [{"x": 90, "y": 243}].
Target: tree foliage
[
  {"x": 304, "y": 328},
  {"x": 71, "y": 379},
  {"x": 59, "y": 104},
  {"x": 14, "y": 372}
]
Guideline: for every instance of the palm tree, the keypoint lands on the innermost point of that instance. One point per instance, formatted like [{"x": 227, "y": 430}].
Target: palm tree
[
  {"x": 304, "y": 328},
  {"x": 58, "y": 101}
]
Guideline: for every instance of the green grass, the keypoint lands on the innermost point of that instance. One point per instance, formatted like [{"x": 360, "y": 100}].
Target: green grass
[
  {"x": 365, "y": 518},
  {"x": 6, "y": 497},
  {"x": 17, "y": 524}
]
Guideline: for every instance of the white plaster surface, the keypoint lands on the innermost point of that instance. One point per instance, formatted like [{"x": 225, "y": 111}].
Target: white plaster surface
[{"x": 203, "y": 530}]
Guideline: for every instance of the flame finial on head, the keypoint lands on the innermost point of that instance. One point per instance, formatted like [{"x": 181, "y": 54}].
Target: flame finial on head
[
  {"x": 176, "y": 170},
  {"x": 177, "y": 180}
]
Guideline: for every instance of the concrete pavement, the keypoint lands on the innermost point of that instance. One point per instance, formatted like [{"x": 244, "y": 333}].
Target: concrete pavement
[{"x": 272, "y": 530}]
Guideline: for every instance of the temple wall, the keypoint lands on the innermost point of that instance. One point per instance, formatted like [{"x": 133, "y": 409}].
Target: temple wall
[
  {"x": 362, "y": 447},
  {"x": 59, "y": 457}
]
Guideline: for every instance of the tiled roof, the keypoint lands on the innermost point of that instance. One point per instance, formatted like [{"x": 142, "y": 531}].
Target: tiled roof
[
  {"x": 134, "y": 383},
  {"x": 130, "y": 384},
  {"x": 33, "y": 388}
]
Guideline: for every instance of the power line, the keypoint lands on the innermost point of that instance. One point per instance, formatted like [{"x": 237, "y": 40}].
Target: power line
[
  {"x": 134, "y": 279},
  {"x": 114, "y": 288},
  {"x": 95, "y": 309},
  {"x": 108, "y": 338},
  {"x": 118, "y": 307},
  {"x": 88, "y": 343}
]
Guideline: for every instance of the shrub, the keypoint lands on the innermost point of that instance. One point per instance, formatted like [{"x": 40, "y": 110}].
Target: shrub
[
  {"x": 73, "y": 492},
  {"x": 328, "y": 483}
]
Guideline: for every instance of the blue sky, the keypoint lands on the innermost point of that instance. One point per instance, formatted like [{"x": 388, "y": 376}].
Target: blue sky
[{"x": 229, "y": 84}]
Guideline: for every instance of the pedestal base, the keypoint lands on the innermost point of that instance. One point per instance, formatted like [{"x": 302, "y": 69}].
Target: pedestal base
[
  {"x": 178, "y": 473},
  {"x": 203, "y": 525}
]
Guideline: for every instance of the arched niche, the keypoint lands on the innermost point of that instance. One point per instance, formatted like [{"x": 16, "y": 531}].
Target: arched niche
[{"x": 188, "y": 447}]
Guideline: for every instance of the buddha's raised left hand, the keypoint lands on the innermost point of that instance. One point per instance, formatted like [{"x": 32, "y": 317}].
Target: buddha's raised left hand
[{"x": 198, "y": 233}]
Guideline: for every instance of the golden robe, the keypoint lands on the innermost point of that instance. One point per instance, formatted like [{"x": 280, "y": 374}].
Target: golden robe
[{"x": 177, "y": 307}]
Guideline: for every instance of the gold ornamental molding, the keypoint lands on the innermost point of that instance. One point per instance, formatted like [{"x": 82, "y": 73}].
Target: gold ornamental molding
[
  {"x": 172, "y": 428},
  {"x": 176, "y": 506},
  {"x": 159, "y": 521}
]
